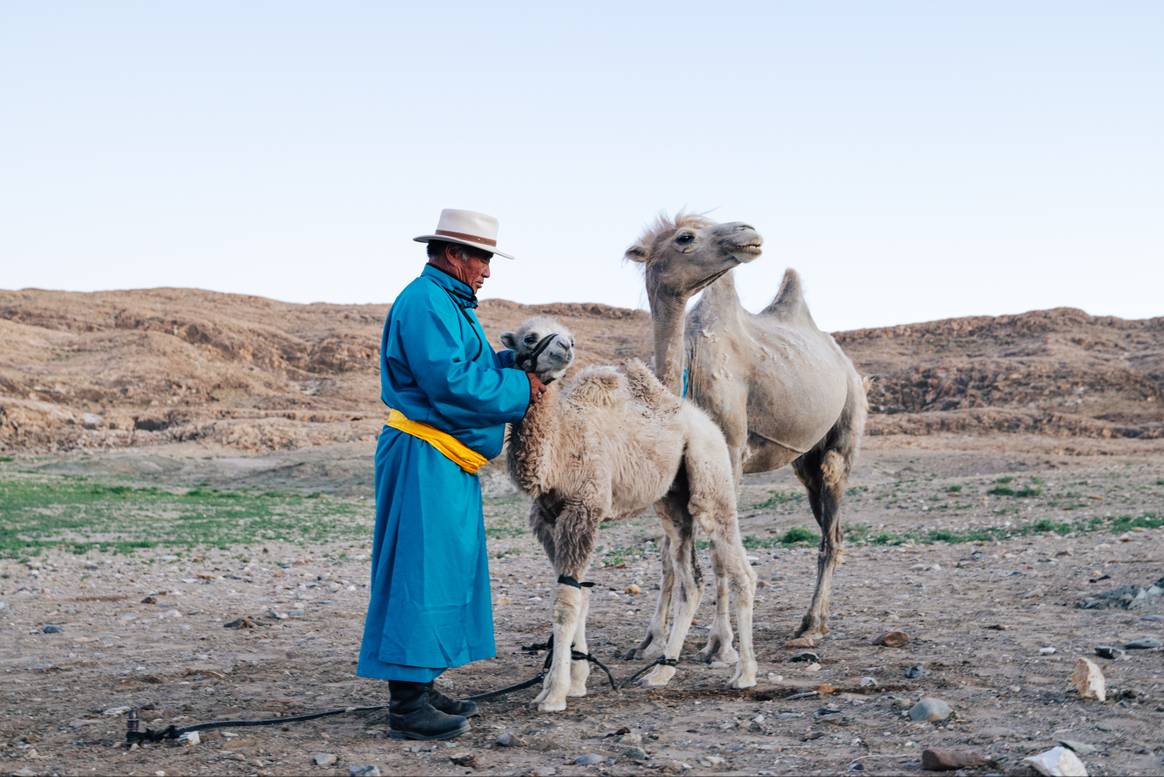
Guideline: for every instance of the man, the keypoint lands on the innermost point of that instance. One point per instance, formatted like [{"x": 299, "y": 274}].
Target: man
[{"x": 449, "y": 397}]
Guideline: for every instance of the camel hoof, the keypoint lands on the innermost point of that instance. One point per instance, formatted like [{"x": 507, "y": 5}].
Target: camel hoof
[
  {"x": 578, "y": 680},
  {"x": 811, "y": 628},
  {"x": 658, "y": 677},
  {"x": 552, "y": 705},
  {"x": 744, "y": 677},
  {"x": 800, "y": 642},
  {"x": 716, "y": 653}
]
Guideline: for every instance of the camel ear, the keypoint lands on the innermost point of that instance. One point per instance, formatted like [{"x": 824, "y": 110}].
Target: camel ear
[
  {"x": 636, "y": 253},
  {"x": 509, "y": 340}
]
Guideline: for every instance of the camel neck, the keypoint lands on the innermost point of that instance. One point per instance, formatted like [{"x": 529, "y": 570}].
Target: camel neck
[
  {"x": 668, "y": 313},
  {"x": 722, "y": 295}
]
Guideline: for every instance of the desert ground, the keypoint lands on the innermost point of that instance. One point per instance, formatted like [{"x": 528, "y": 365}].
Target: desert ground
[
  {"x": 981, "y": 549},
  {"x": 173, "y": 461}
]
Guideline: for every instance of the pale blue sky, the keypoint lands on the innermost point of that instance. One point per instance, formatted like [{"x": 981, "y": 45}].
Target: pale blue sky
[{"x": 914, "y": 160}]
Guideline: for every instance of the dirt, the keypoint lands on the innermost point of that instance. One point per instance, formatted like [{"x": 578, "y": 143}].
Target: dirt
[
  {"x": 977, "y": 615},
  {"x": 162, "y": 366}
]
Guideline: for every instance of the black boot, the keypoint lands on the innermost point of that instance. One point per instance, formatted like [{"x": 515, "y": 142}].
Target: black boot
[
  {"x": 465, "y": 709},
  {"x": 410, "y": 716}
]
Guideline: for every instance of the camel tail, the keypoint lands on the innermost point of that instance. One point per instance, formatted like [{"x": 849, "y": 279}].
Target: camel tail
[{"x": 788, "y": 304}]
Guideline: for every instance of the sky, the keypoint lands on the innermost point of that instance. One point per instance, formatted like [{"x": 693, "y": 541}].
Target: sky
[{"x": 912, "y": 160}]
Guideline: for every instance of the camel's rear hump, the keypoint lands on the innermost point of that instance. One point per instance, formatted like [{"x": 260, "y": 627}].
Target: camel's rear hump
[{"x": 788, "y": 305}]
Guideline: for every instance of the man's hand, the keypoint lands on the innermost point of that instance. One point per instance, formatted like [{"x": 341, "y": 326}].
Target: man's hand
[{"x": 536, "y": 387}]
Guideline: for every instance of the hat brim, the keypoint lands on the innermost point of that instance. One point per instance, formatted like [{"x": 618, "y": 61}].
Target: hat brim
[{"x": 479, "y": 246}]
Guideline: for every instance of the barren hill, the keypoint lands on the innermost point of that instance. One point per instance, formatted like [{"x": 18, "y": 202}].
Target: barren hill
[{"x": 160, "y": 365}]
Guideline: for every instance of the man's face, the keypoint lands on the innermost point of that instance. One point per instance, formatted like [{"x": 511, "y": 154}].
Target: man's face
[{"x": 470, "y": 265}]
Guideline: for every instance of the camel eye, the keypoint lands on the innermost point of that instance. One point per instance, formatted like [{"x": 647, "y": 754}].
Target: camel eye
[
  {"x": 531, "y": 338},
  {"x": 685, "y": 238}
]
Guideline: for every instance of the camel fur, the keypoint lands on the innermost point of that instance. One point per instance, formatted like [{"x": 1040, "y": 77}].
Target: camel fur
[
  {"x": 608, "y": 445},
  {"x": 781, "y": 390}
]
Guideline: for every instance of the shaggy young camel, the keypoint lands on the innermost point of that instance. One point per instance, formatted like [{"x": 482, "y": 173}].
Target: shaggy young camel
[
  {"x": 781, "y": 390},
  {"x": 607, "y": 446}
]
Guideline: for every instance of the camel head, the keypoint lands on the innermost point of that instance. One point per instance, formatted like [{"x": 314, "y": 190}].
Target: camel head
[
  {"x": 684, "y": 255},
  {"x": 543, "y": 346}
]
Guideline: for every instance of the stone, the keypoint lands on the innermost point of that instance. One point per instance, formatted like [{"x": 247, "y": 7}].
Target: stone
[
  {"x": 915, "y": 672},
  {"x": 1046, "y": 651},
  {"x": 1088, "y": 680},
  {"x": 711, "y": 760},
  {"x": 468, "y": 760},
  {"x": 24, "y": 772},
  {"x": 190, "y": 739},
  {"x": 240, "y": 623},
  {"x": 114, "y": 712},
  {"x": 800, "y": 642},
  {"x": 892, "y": 638},
  {"x": 589, "y": 759},
  {"x": 633, "y": 589},
  {"x": 52, "y": 628},
  {"x": 509, "y": 739},
  {"x": 1147, "y": 643},
  {"x": 1125, "y": 597},
  {"x": 631, "y": 738},
  {"x": 364, "y": 770},
  {"x": 636, "y": 754},
  {"x": 868, "y": 682},
  {"x": 929, "y": 709},
  {"x": 951, "y": 760},
  {"x": 1109, "y": 651},
  {"x": 1081, "y": 748},
  {"x": 806, "y": 656},
  {"x": 1057, "y": 762},
  {"x": 91, "y": 420},
  {"x": 324, "y": 759}
]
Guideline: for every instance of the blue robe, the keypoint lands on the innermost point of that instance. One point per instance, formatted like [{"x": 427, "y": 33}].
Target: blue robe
[{"x": 430, "y": 606}]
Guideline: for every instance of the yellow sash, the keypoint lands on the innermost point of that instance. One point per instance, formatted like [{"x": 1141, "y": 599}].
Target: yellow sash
[{"x": 453, "y": 449}]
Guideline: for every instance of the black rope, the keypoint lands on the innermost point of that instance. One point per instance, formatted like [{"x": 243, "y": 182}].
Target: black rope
[
  {"x": 134, "y": 734},
  {"x": 660, "y": 661}
]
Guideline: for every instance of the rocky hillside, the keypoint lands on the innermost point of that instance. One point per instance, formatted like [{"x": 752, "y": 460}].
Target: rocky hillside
[{"x": 163, "y": 365}]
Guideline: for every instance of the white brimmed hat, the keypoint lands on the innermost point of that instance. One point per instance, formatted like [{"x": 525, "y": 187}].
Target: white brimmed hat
[{"x": 467, "y": 228}]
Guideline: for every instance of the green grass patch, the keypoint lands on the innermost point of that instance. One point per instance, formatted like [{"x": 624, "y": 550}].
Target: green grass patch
[
  {"x": 780, "y": 498},
  {"x": 954, "y": 488},
  {"x": 6, "y": 459},
  {"x": 618, "y": 555},
  {"x": 79, "y": 515}
]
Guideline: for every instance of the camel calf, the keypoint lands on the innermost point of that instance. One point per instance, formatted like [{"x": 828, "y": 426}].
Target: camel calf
[{"x": 605, "y": 447}]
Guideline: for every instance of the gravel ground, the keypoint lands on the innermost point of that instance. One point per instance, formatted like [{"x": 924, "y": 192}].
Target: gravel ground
[{"x": 146, "y": 630}]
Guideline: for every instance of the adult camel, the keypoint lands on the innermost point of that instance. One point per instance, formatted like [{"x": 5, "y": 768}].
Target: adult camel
[{"x": 781, "y": 390}]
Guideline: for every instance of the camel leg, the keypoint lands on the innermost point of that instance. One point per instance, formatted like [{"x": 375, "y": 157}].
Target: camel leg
[
  {"x": 684, "y": 603},
  {"x": 580, "y": 670},
  {"x": 732, "y": 559},
  {"x": 823, "y": 475},
  {"x": 652, "y": 644},
  {"x": 574, "y": 532},
  {"x": 719, "y": 642},
  {"x": 567, "y": 608}
]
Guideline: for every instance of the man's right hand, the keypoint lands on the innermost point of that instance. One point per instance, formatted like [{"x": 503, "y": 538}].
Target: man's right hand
[{"x": 536, "y": 387}]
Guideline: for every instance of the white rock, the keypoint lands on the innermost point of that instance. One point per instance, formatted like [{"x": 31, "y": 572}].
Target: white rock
[
  {"x": 1047, "y": 651},
  {"x": 113, "y": 712},
  {"x": 1088, "y": 680},
  {"x": 324, "y": 759},
  {"x": 1057, "y": 762},
  {"x": 190, "y": 738}
]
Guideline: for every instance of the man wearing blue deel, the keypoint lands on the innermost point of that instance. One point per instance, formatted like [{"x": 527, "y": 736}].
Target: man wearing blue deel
[{"x": 449, "y": 396}]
